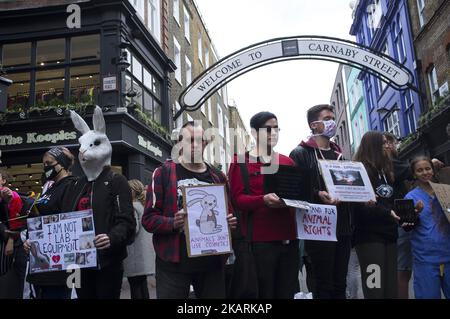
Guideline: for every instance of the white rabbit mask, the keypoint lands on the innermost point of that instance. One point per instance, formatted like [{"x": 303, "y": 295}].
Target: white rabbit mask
[{"x": 95, "y": 149}]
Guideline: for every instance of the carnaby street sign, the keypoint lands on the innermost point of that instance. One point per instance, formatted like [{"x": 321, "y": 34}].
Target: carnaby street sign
[{"x": 283, "y": 49}]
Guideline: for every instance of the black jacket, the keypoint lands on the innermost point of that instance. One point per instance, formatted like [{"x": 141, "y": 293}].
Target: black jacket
[
  {"x": 48, "y": 204},
  {"x": 375, "y": 223},
  {"x": 113, "y": 212},
  {"x": 305, "y": 158}
]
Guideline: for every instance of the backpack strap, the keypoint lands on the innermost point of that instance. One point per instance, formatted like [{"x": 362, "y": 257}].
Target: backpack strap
[{"x": 246, "y": 180}]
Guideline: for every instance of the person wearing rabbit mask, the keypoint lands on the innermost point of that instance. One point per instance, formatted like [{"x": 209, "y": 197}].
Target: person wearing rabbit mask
[
  {"x": 109, "y": 196},
  {"x": 165, "y": 218}
]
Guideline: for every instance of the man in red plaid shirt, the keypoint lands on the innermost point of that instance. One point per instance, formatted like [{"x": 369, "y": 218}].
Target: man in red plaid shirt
[{"x": 165, "y": 217}]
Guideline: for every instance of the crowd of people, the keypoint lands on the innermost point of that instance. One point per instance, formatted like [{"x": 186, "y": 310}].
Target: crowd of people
[{"x": 140, "y": 230}]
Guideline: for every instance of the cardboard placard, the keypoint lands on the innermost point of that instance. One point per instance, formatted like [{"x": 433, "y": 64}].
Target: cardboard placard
[
  {"x": 61, "y": 240},
  {"x": 442, "y": 192},
  {"x": 347, "y": 181},
  {"x": 317, "y": 223},
  {"x": 206, "y": 230}
]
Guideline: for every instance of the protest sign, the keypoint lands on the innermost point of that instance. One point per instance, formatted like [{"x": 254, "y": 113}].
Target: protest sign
[
  {"x": 206, "y": 230},
  {"x": 442, "y": 192},
  {"x": 61, "y": 240},
  {"x": 347, "y": 181},
  {"x": 317, "y": 223}
]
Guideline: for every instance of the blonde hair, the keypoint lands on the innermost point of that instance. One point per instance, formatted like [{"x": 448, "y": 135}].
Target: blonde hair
[{"x": 137, "y": 190}]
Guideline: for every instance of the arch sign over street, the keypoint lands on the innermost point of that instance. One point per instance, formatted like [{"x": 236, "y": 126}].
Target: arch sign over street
[{"x": 291, "y": 48}]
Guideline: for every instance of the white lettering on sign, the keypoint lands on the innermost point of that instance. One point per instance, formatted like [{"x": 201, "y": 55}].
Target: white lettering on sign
[
  {"x": 149, "y": 146},
  {"x": 35, "y": 138},
  {"x": 110, "y": 83}
]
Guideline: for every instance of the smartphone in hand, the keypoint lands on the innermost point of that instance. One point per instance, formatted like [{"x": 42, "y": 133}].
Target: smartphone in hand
[{"x": 405, "y": 210}]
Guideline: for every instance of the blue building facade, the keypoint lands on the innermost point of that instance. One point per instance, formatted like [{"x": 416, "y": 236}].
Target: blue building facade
[
  {"x": 384, "y": 25},
  {"x": 357, "y": 109}
]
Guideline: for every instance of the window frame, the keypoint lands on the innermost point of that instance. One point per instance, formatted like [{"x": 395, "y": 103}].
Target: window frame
[
  {"x": 177, "y": 60},
  {"x": 187, "y": 24},
  {"x": 67, "y": 64}
]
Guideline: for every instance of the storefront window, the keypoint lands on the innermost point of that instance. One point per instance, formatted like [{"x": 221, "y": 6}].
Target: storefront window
[
  {"x": 16, "y": 55},
  {"x": 50, "y": 51},
  {"x": 86, "y": 47},
  {"x": 19, "y": 91},
  {"x": 138, "y": 98},
  {"x": 147, "y": 87},
  {"x": 84, "y": 84},
  {"x": 148, "y": 80},
  {"x": 152, "y": 106},
  {"x": 157, "y": 88},
  {"x": 127, "y": 88},
  {"x": 148, "y": 102},
  {"x": 50, "y": 87},
  {"x": 137, "y": 69},
  {"x": 157, "y": 112}
]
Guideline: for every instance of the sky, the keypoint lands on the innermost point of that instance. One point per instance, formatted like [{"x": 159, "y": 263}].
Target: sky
[{"x": 289, "y": 88}]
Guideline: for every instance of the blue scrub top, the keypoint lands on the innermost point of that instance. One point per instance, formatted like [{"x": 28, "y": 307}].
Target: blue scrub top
[{"x": 429, "y": 243}]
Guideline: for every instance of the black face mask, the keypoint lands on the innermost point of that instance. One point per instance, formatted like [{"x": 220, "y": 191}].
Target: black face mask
[{"x": 50, "y": 172}]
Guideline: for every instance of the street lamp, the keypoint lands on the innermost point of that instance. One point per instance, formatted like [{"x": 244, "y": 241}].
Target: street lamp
[{"x": 122, "y": 61}]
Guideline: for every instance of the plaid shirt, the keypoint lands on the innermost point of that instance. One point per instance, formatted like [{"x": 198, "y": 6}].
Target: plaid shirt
[{"x": 161, "y": 206}]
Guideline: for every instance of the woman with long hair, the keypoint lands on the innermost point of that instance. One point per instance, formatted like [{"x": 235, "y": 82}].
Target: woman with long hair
[
  {"x": 376, "y": 224},
  {"x": 430, "y": 238}
]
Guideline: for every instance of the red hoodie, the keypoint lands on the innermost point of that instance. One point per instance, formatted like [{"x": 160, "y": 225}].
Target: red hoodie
[
  {"x": 14, "y": 208},
  {"x": 269, "y": 224},
  {"x": 311, "y": 142}
]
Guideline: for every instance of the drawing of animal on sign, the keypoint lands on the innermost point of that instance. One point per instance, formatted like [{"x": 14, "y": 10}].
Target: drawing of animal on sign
[{"x": 206, "y": 229}]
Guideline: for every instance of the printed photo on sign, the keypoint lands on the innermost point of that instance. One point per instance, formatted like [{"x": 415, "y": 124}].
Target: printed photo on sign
[
  {"x": 347, "y": 177},
  {"x": 207, "y": 231},
  {"x": 60, "y": 240},
  {"x": 317, "y": 223},
  {"x": 347, "y": 181}
]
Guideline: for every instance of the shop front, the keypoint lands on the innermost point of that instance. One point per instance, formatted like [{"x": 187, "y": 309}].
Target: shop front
[{"x": 137, "y": 151}]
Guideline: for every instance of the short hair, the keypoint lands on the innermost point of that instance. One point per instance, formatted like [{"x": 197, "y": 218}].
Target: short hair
[
  {"x": 5, "y": 175},
  {"x": 259, "y": 119},
  {"x": 180, "y": 133},
  {"x": 312, "y": 114}
]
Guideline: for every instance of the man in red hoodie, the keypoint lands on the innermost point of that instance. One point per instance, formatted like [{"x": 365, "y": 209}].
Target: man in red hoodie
[
  {"x": 274, "y": 243},
  {"x": 329, "y": 260}
]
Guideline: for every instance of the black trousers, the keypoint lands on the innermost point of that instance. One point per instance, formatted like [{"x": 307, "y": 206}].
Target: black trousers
[
  {"x": 105, "y": 283},
  {"x": 328, "y": 269},
  {"x": 277, "y": 267},
  {"x": 175, "y": 285},
  {"x": 139, "y": 287},
  {"x": 378, "y": 262},
  {"x": 11, "y": 283}
]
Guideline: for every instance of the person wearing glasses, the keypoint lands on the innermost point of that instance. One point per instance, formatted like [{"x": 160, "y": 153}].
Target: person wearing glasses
[{"x": 274, "y": 243}]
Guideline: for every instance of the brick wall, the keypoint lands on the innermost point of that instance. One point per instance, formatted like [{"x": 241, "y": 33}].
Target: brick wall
[{"x": 432, "y": 41}]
